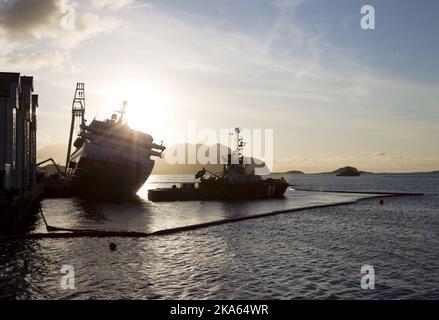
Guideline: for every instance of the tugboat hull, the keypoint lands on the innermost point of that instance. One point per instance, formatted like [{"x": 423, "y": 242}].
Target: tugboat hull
[{"x": 258, "y": 190}]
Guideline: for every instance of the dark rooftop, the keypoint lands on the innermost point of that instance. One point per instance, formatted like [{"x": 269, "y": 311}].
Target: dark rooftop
[
  {"x": 27, "y": 81},
  {"x": 35, "y": 100},
  {"x": 6, "y": 81}
]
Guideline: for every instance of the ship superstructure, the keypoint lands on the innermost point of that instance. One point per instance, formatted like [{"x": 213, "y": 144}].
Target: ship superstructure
[{"x": 111, "y": 160}]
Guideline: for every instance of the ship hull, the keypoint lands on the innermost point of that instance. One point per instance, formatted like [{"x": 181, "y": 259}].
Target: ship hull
[
  {"x": 108, "y": 179},
  {"x": 233, "y": 192}
]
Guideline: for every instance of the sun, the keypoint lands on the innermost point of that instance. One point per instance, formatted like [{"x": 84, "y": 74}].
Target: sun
[{"x": 149, "y": 109}]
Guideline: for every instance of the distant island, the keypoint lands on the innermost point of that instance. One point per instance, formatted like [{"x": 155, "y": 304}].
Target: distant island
[
  {"x": 295, "y": 172},
  {"x": 347, "y": 172}
]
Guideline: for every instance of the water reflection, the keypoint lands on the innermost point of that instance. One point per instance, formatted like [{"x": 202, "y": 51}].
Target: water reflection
[
  {"x": 146, "y": 216},
  {"x": 19, "y": 266}
]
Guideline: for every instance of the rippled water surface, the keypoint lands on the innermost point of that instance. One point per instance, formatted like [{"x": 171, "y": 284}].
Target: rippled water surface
[{"x": 313, "y": 254}]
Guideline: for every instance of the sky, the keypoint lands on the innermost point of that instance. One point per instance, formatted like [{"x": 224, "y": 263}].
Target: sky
[{"x": 333, "y": 93}]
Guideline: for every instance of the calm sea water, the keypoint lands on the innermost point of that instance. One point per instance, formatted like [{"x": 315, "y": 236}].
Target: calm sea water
[{"x": 312, "y": 254}]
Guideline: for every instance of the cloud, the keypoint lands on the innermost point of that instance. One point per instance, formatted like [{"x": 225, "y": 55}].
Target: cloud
[
  {"x": 111, "y": 4},
  {"x": 40, "y": 33},
  {"x": 35, "y": 60},
  {"x": 87, "y": 25},
  {"x": 286, "y": 3},
  {"x": 286, "y": 76},
  {"x": 378, "y": 155},
  {"x": 24, "y": 18}
]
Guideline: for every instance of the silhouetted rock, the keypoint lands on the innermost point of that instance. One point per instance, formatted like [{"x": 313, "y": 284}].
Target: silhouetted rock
[
  {"x": 295, "y": 172},
  {"x": 347, "y": 172}
]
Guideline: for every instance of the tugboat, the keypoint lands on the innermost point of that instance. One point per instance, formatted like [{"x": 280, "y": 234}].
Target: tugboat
[
  {"x": 237, "y": 181},
  {"x": 111, "y": 160}
]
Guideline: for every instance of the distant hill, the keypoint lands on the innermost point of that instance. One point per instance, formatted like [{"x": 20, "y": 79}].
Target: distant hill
[
  {"x": 295, "y": 172},
  {"x": 55, "y": 151},
  {"x": 348, "y": 170}
]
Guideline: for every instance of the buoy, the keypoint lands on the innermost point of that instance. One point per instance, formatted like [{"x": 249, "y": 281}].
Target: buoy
[
  {"x": 381, "y": 201},
  {"x": 113, "y": 246}
]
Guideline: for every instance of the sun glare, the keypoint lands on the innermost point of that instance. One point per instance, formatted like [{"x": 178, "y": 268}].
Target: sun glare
[{"x": 149, "y": 109}]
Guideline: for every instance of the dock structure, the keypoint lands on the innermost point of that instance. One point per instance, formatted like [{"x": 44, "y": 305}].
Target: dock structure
[{"x": 19, "y": 188}]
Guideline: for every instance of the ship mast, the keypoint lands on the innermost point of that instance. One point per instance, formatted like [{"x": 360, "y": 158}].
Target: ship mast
[
  {"x": 237, "y": 154},
  {"x": 239, "y": 144},
  {"x": 122, "y": 111}
]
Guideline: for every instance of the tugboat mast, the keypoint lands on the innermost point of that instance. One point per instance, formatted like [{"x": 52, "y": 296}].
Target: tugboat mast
[{"x": 238, "y": 153}]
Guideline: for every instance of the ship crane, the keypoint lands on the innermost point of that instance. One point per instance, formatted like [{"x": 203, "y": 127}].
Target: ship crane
[{"x": 78, "y": 111}]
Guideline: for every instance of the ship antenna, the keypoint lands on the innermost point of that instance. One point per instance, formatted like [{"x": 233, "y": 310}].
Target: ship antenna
[
  {"x": 239, "y": 144},
  {"x": 122, "y": 111},
  {"x": 238, "y": 148}
]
